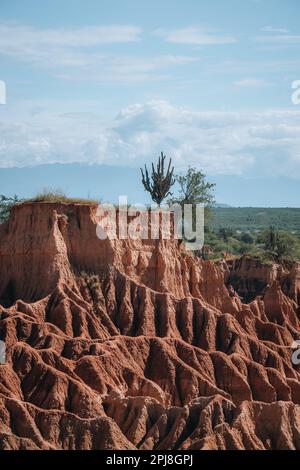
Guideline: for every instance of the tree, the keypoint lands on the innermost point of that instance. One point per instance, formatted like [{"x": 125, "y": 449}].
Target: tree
[
  {"x": 159, "y": 184},
  {"x": 6, "y": 204},
  {"x": 281, "y": 244},
  {"x": 247, "y": 238},
  {"x": 271, "y": 237},
  {"x": 194, "y": 189},
  {"x": 288, "y": 245},
  {"x": 225, "y": 233}
]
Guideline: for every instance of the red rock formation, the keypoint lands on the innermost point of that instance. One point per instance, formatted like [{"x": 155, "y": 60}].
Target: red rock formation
[
  {"x": 136, "y": 344},
  {"x": 250, "y": 277}
]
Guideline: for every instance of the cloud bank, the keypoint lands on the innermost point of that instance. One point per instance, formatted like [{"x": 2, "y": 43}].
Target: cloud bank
[
  {"x": 195, "y": 36},
  {"x": 256, "y": 144}
]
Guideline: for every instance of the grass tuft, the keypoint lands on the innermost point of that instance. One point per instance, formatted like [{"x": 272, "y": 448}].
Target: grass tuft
[{"x": 56, "y": 195}]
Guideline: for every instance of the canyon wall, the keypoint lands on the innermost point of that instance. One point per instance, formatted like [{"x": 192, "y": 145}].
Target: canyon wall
[{"x": 137, "y": 344}]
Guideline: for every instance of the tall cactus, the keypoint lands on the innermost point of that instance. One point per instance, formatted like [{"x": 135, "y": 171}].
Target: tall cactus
[{"x": 160, "y": 183}]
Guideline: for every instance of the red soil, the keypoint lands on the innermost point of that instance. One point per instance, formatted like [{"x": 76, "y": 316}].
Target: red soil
[{"x": 128, "y": 344}]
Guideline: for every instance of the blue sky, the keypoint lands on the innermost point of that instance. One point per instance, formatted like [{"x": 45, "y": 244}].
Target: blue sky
[{"x": 117, "y": 81}]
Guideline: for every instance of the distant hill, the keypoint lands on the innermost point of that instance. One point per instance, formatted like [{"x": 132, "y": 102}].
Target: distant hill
[
  {"x": 256, "y": 218},
  {"x": 102, "y": 182},
  {"x": 218, "y": 205},
  {"x": 107, "y": 182}
]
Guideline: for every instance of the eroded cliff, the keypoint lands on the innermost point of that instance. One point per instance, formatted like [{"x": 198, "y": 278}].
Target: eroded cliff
[{"x": 131, "y": 344}]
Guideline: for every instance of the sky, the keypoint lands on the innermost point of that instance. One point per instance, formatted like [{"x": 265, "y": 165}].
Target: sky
[{"x": 115, "y": 82}]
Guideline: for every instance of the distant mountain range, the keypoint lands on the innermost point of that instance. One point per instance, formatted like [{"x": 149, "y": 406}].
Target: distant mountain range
[
  {"x": 219, "y": 205},
  {"x": 107, "y": 182}
]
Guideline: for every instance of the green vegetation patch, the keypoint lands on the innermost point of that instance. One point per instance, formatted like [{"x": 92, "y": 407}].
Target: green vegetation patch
[{"x": 256, "y": 218}]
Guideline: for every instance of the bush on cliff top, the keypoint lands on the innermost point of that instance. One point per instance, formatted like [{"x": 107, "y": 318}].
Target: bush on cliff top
[{"x": 58, "y": 196}]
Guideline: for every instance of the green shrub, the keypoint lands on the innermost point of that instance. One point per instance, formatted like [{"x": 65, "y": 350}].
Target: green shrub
[{"x": 6, "y": 204}]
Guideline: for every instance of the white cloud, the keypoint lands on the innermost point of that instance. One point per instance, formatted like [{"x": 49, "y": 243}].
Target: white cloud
[
  {"x": 250, "y": 82},
  {"x": 264, "y": 143},
  {"x": 127, "y": 69},
  {"x": 20, "y": 38},
  {"x": 271, "y": 29},
  {"x": 61, "y": 47},
  {"x": 283, "y": 39},
  {"x": 80, "y": 54},
  {"x": 195, "y": 36}
]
